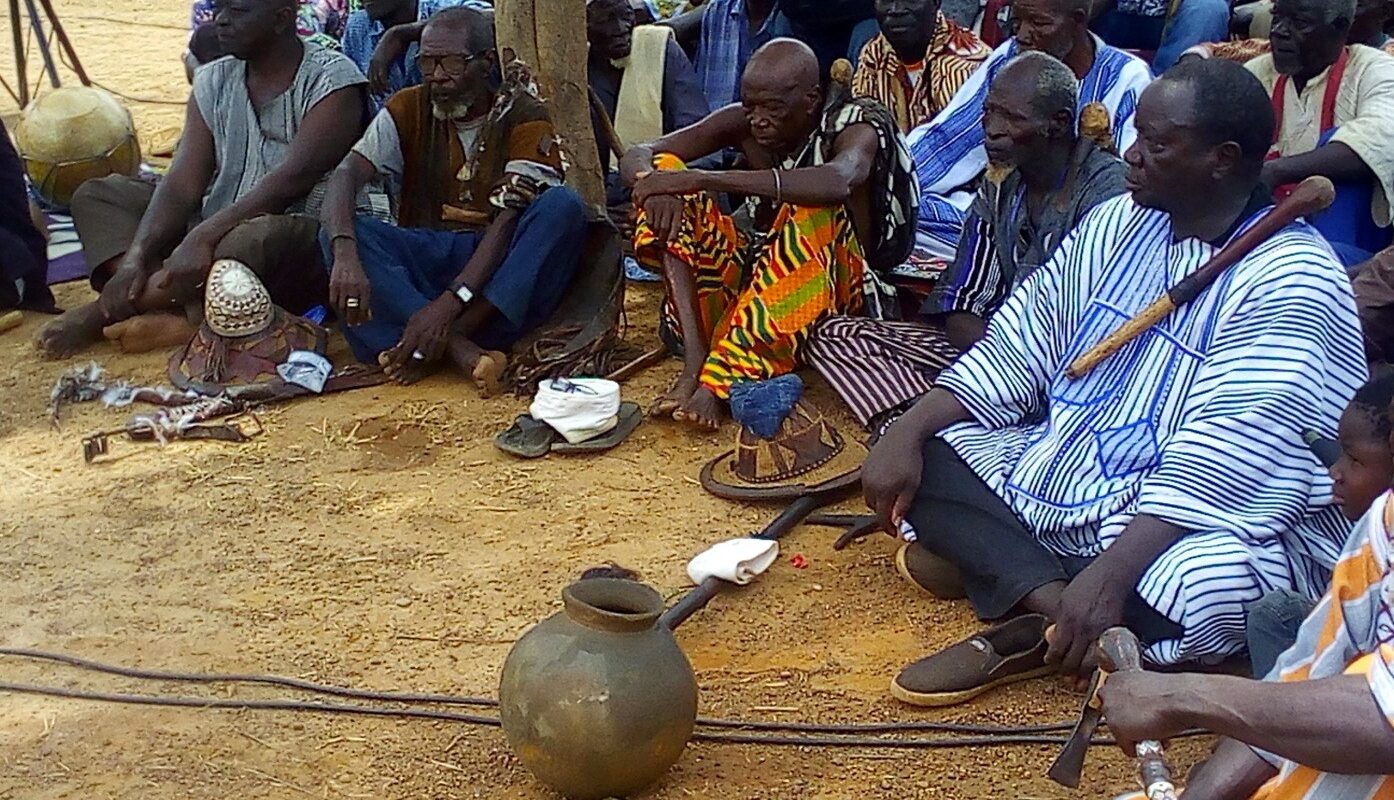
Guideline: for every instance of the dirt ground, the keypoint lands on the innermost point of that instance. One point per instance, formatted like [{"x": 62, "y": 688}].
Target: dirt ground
[{"x": 377, "y": 539}]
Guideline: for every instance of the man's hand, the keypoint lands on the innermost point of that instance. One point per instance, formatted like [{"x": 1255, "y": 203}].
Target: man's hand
[
  {"x": 187, "y": 267},
  {"x": 663, "y": 214},
  {"x": 671, "y": 183},
  {"x": 391, "y": 47},
  {"x": 349, "y": 290},
  {"x": 428, "y": 329},
  {"x": 1144, "y": 705},
  {"x": 1090, "y": 605},
  {"x": 127, "y": 284},
  {"x": 890, "y": 478}
]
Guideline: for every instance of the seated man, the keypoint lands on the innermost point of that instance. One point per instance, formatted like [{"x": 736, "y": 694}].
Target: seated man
[
  {"x": 1170, "y": 486},
  {"x": 487, "y": 239},
  {"x": 643, "y": 83},
  {"x": 262, "y": 129},
  {"x": 918, "y": 62},
  {"x": 949, "y": 153},
  {"x": 381, "y": 39},
  {"x": 830, "y": 189},
  {"x": 1335, "y": 109},
  {"x": 1321, "y": 725},
  {"x": 1053, "y": 178}
]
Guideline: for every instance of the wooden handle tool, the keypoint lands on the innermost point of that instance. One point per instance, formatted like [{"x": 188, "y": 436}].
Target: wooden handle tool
[{"x": 1121, "y": 652}]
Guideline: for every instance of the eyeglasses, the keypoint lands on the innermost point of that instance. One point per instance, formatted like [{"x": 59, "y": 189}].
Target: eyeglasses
[{"x": 454, "y": 63}]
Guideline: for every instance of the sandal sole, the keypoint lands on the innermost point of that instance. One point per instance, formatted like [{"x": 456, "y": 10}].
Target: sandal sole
[{"x": 944, "y": 699}]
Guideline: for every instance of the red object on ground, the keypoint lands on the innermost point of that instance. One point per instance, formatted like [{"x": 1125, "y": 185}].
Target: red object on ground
[{"x": 798, "y": 561}]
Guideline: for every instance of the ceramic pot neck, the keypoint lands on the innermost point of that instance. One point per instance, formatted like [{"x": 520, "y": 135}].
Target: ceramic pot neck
[{"x": 613, "y": 605}]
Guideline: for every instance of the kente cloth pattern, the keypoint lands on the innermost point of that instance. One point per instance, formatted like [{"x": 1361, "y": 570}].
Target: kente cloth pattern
[
  {"x": 949, "y": 153},
  {"x": 1199, "y": 422},
  {"x": 759, "y": 296},
  {"x": 1350, "y": 632},
  {"x": 951, "y": 58},
  {"x": 894, "y": 194}
]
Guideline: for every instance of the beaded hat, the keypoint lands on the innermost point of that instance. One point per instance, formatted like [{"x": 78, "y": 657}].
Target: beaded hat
[{"x": 236, "y": 304}]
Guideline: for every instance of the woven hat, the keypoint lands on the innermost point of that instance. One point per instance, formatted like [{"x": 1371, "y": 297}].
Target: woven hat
[
  {"x": 236, "y": 302},
  {"x": 807, "y": 456},
  {"x": 244, "y": 336}
]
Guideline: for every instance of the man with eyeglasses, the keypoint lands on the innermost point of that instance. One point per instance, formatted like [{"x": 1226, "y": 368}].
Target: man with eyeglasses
[
  {"x": 1334, "y": 104},
  {"x": 263, "y": 128},
  {"x": 487, "y": 237},
  {"x": 382, "y": 36}
]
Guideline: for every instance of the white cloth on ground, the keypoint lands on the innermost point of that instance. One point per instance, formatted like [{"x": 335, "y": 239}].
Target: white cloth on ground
[
  {"x": 736, "y": 561},
  {"x": 579, "y": 409}
]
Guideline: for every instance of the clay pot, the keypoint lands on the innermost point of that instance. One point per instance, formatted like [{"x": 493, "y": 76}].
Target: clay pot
[{"x": 597, "y": 700}]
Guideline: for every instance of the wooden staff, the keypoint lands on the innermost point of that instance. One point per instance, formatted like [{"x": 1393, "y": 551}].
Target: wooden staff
[{"x": 1311, "y": 196}]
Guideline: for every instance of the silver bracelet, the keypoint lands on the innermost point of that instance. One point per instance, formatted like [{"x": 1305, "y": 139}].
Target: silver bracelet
[{"x": 778, "y": 187}]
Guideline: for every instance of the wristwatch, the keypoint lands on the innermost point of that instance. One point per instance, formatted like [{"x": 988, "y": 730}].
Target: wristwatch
[{"x": 465, "y": 293}]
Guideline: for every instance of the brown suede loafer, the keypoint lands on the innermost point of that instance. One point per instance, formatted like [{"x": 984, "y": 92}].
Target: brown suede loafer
[{"x": 1003, "y": 654}]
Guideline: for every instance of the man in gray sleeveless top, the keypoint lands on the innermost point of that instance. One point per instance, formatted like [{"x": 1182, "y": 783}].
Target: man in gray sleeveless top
[{"x": 262, "y": 130}]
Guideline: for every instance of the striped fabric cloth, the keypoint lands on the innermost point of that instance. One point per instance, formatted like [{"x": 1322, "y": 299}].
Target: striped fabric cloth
[
  {"x": 1351, "y": 631},
  {"x": 949, "y": 151},
  {"x": 1199, "y": 422}
]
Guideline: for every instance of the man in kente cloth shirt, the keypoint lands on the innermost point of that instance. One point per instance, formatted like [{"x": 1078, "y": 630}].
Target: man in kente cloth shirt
[
  {"x": 487, "y": 239},
  {"x": 263, "y": 128},
  {"x": 1335, "y": 107},
  {"x": 831, "y": 190},
  {"x": 1170, "y": 486},
  {"x": 918, "y": 62},
  {"x": 1053, "y": 177},
  {"x": 948, "y": 150}
]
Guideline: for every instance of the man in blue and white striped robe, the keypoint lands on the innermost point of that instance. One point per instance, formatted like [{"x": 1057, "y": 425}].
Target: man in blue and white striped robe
[
  {"x": 1195, "y": 429},
  {"x": 949, "y": 152}
]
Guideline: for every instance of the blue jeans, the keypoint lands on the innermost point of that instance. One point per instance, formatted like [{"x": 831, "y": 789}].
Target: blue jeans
[
  {"x": 407, "y": 268},
  {"x": 1274, "y": 621},
  {"x": 1194, "y": 22}
]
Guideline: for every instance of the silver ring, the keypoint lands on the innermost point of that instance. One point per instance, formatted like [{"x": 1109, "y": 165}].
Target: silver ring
[
  {"x": 352, "y": 302},
  {"x": 418, "y": 355}
]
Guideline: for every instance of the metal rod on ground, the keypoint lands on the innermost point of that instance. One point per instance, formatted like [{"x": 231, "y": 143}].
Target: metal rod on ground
[
  {"x": 65, "y": 43},
  {"x": 42, "y": 39},
  {"x": 788, "y": 519},
  {"x": 21, "y": 65}
]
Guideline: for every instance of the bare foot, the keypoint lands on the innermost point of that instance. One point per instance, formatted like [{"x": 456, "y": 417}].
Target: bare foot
[
  {"x": 402, "y": 368},
  {"x": 149, "y": 332},
  {"x": 702, "y": 410},
  {"x": 488, "y": 373},
  {"x": 73, "y": 331},
  {"x": 669, "y": 403},
  {"x": 484, "y": 367}
]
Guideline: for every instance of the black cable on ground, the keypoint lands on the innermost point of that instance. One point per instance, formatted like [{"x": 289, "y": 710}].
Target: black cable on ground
[
  {"x": 450, "y": 716},
  {"x": 443, "y": 699}
]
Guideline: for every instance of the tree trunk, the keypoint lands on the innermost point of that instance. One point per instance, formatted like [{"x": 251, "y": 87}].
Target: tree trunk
[{"x": 550, "y": 37}]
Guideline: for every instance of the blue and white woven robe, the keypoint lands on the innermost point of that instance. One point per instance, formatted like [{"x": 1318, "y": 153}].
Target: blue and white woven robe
[
  {"x": 949, "y": 151},
  {"x": 1198, "y": 422}
]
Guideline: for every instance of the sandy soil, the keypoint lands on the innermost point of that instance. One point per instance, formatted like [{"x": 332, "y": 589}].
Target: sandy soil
[{"x": 377, "y": 539}]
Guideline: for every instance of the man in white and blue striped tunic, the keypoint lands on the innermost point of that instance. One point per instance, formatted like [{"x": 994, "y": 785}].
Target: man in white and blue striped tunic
[
  {"x": 949, "y": 150},
  {"x": 1170, "y": 486}
]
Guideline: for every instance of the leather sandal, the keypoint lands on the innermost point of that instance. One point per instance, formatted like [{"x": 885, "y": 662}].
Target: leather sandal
[{"x": 1007, "y": 653}]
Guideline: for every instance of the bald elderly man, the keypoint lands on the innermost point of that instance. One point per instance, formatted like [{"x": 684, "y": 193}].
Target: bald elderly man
[{"x": 830, "y": 188}]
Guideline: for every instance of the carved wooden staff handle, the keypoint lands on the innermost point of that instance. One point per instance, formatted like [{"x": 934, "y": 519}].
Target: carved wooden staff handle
[{"x": 1309, "y": 197}]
